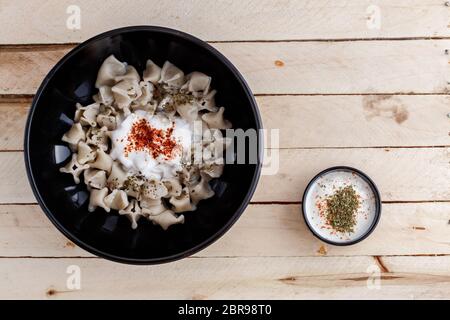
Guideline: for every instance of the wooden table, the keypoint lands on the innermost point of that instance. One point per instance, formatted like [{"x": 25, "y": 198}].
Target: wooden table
[{"x": 354, "y": 82}]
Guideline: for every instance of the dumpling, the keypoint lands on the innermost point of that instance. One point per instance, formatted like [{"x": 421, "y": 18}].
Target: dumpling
[
  {"x": 216, "y": 119},
  {"x": 167, "y": 106},
  {"x": 132, "y": 186},
  {"x": 152, "y": 206},
  {"x": 74, "y": 135},
  {"x": 171, "y": 75},
  {"x": 210, "y": 135},
  {"x": 104, "y": 95},
  {"x": 153, "y": 189},
  {"x": 208, "y": 154},
  {"x": 152, "y": 72},
  {"x": 109, "y": 70},
  {"x": 78, "y": 112},
  {"x": 188, "y": 111},
  {"x": 130, "y": 74},
  {"x": 166, "y": 219},
  {"x": 213, "y": 170},
  {"x": 117, "y": 177},
  {"x": 197, "y": 83},
  {"x": 183, "y": 202},
  {"x": 85, "y": 153},
  {"x": 150, "y": 107},
  {"x": 210, "y": 157},
  {"x": 204, "y": 125},
  {"x": 97, "y": 199},
  {"x": 208, "y": 102},
  {"x": 117, "y": 200},
  {"x": 102, "y": 161},
  {"x": 190, "y": 175},
  {"x": 173, "y": 186},
  {"x": 214, "y": 146},
  {"x": 95, "y": 178},
  {"x": 125, "y": 92},
  {"x": 74, "y": 168},
  {"x": 98, "y": 137},
  {"x": 87, "y": 115},
  {"x": 133, "y": 212},
  {"x": 146, "y": 93},
  {"x": 110, "y": 122},
  {"x": 218, "y": 147},
  {"x": 201, "y": 190},
  {"x": 108, "y": 110}
]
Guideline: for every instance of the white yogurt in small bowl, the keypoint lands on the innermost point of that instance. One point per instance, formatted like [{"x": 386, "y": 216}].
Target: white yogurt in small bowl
[{"x": 322, "y": 188}]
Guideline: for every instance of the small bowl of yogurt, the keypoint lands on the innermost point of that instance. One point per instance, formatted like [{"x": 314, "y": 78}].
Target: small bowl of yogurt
[{"x": 341, "y": 206}]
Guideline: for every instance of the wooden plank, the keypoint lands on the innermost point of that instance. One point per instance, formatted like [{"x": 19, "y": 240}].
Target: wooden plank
[
  {"x": 14, "y": 186},
  {"x": 26, "y": 231},
  {"x": 12, "y": 124},
  {"x": 423, "y": 226},
  {"x": 418, "y": 66},
  {"x": 401, "y": 174},
  {"x": 343, "y": 67},
  {"x": 230, "y": 278},
  {"x": 227, "y": 20},
  {"x": 26, "y": 69},
  {"x": 357, "y": 121},
  {"x": 317, "y": 121}
]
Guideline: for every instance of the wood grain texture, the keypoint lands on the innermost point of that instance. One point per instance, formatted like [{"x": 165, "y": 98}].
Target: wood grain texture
[
  {"x": 26, "y": 231},
  {"x": 232, "y": 278},
  {"x": 343, "y": 67},
  {"x": 357, "y": 121},
  {"x": 317, "y": 121},
  {"x": 227, "y": 20},
  {"x": 12, "y": 124},
  {"x": 25, "y": 69},
  {"x": 14, "y": 185},
  {"x": 419, "y": 66},
  {"x": 401, "y": 174},
  {"x": 325, "y": 61}
]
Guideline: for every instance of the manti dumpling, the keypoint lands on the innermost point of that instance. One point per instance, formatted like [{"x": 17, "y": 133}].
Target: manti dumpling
[{"x": 166, "y": 218}]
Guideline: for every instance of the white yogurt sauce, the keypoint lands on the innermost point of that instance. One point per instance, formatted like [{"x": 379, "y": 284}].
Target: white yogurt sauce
[
  {"x": 325, "y": 186},
  {"x": 143, "y": 162}
]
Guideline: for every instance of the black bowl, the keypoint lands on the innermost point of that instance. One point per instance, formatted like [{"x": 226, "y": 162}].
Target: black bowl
[{"x": 65, "y": 203}]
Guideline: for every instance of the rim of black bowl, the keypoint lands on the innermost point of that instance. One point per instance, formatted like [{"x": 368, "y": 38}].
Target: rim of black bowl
[
  {"x": 203, "y": 244},
  {"x": 375, "y": 191}
]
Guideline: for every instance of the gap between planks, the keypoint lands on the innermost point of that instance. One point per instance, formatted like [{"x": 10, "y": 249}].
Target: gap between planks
[
  {"x": 50, "y": 46},
  {"x": 243, "y": 257},
  {"x": 281, "y": 203},
  {"x": 317, "y": 148},
  {"x": 28, "y": 98}
]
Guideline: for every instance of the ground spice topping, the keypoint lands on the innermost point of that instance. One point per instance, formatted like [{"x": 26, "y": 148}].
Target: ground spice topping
[
  {"x": 157, "y": 142},
  {"x": 341, "y": 208}
]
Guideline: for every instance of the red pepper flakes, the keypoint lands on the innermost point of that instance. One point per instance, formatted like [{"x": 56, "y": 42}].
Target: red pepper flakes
[{"x": 158, "y": 142}]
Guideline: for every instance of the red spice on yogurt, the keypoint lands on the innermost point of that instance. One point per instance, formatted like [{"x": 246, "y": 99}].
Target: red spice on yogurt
[{"x": 157, "y": 142}]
